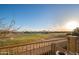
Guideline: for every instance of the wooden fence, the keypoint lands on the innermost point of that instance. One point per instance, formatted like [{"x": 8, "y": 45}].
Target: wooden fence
[
  {"x": 36, "y": 48},
  {"x": 48, "y": 47}
]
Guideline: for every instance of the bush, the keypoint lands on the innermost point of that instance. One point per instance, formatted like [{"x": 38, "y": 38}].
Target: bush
[{"x": 76, "y": 32}]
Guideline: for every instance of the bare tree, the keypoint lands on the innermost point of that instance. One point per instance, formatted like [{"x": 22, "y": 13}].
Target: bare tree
[{"x": 7, "y": 30}]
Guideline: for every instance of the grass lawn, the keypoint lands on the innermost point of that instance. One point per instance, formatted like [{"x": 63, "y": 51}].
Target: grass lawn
[
  {"x": 21, "y": 39},
  {"x": 27, "y": 38}
]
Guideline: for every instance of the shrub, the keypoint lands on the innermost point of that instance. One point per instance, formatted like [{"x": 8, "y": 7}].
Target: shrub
[{"x": 76, "y": 32}]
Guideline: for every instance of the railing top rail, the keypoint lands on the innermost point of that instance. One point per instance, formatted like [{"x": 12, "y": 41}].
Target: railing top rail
[{"x": 59, "y": 41}]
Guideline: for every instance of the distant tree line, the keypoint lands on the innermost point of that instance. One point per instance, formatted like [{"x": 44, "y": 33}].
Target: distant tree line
[{"x": 75, "y": 32}]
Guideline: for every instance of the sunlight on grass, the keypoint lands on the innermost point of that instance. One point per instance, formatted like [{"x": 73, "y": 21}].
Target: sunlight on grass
[{"x": 21, "y": 39}]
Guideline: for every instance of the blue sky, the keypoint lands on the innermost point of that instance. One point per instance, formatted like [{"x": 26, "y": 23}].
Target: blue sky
[{"x": 39, "y": 16}]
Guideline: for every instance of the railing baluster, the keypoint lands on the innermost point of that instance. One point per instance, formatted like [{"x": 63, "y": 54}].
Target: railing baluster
[
  {"x": 17, "y": 50},
  {"x": 48, "y": 47},
  {"x": 45, "y": 48},
  {"x": 0, "y": 51},
  {"x": 30, "y": 49},
  {"x": 26, "y": 49}
]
